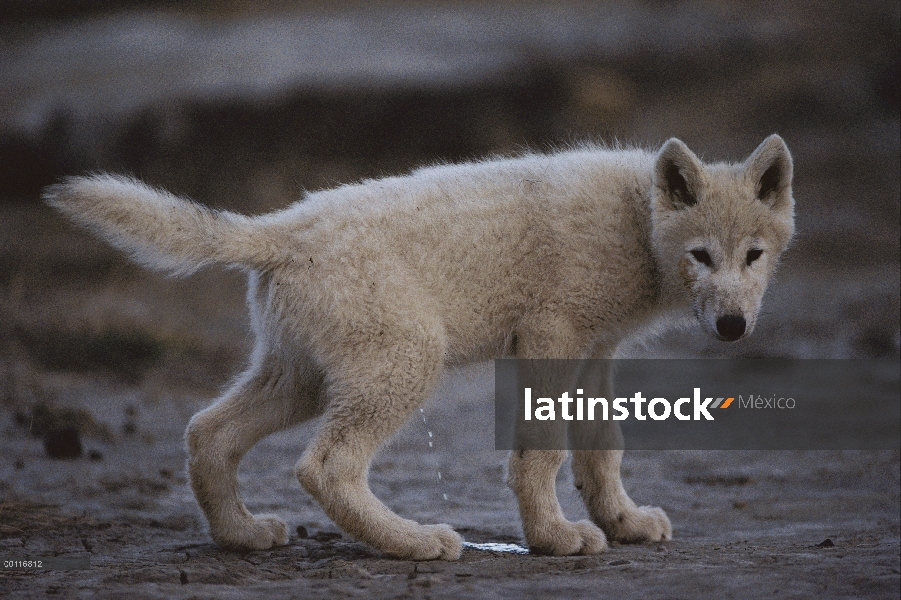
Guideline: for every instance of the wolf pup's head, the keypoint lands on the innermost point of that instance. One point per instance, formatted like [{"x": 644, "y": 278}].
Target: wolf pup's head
[{"x": 718, "y": 230}]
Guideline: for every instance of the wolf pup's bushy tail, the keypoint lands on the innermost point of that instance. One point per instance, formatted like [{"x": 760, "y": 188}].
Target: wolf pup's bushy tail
[{"x": 159, "y": 230}]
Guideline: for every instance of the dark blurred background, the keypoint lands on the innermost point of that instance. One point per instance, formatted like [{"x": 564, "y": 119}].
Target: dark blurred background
[{"x": 244, "y": 105}]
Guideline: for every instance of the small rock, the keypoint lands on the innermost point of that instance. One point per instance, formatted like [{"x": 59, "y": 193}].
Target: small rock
[
  {"x": 44, "y": 418},
  {"x": 95, "y": 455},
  {"x": 827, "y": 543},
  {"x": 619, "y": 563},
  {"x": 183, "y": 577},
  {"x": 62, "y": 443}
]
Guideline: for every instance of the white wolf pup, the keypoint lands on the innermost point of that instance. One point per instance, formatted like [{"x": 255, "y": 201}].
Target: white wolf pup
[{"x": 361, "y": 296}]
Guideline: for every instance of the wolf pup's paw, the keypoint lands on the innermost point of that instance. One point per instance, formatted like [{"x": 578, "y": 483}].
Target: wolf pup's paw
[
  {"x": 566, "y": 539},
  {"x": 261, "y": 533},
  {"x": 431, "y": 542},
  {"x": 640, "y": 524},
  {"x": 451, "y": 541}
]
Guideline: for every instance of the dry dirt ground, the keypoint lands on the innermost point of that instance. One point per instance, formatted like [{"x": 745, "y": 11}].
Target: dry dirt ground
[{"x": 746, "y": 524}]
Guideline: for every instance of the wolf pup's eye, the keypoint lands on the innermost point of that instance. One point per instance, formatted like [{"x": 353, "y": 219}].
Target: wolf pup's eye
[
  {"x": 753, "y": 255},
  {"x": 702, "y": 257}
]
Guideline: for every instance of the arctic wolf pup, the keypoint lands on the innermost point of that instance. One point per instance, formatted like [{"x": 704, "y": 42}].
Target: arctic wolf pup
[{"x": 361, "y": 296}]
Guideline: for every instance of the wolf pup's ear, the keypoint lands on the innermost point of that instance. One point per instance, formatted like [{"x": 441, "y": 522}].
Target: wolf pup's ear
[
  {"x": 769, "y": 168},
  {"x": 677, "y": 176}
]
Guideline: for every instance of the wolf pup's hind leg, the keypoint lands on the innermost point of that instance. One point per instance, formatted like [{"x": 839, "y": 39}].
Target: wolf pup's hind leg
[
  {"x": 268, "y": 398},
  {"x": 372, "y": 390}
]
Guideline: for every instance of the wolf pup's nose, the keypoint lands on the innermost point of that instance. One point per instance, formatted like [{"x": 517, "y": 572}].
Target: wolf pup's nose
[{"x": 731, "y": 327}]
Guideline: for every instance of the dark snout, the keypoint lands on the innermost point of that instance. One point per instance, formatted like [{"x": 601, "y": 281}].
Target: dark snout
[{"x": 731, "y": 327}]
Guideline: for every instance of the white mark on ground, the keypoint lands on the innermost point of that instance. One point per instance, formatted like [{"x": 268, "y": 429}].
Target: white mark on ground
[{"x": 496, "y": 547}]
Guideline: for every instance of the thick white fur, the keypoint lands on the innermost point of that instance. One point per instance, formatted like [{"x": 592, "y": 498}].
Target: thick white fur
[{"x": 362, "y": 295}]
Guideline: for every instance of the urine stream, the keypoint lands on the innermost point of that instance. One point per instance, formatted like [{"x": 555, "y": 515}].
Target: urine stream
[
  {"x": 487, "y": 546},
  {"x": 432, "y": 449}
]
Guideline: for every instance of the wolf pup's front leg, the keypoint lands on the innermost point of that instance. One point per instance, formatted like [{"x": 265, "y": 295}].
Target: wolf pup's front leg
[
  {"x": 547, "y": 531},
  {"x": 596, "y": 472},
  {"x": 598, "y": 480},
  {"x": 533, "y": 468}
]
